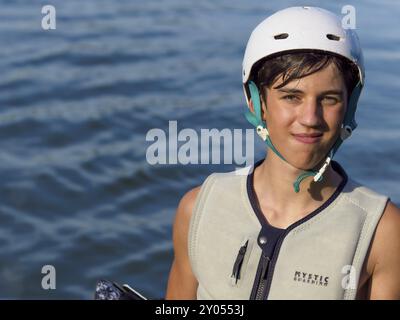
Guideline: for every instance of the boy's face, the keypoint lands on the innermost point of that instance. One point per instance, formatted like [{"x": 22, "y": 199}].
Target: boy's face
[{"x": 313, "y": 104}]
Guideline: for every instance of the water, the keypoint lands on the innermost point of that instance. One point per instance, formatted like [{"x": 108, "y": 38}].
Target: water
[{"x": 76, "y": 104}]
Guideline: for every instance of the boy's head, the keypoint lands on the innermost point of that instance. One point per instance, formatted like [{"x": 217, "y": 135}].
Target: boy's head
[{"x": 301, "y": 45}]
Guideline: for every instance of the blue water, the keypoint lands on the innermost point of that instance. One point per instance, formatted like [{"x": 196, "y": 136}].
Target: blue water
[{"x": 76, "y": 103}]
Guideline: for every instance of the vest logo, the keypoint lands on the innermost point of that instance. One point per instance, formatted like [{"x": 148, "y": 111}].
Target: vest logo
[{"x": 311, "y": 278}]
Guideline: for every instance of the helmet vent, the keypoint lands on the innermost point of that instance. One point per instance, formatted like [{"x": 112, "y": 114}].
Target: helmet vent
[
  {"x": 333, "y": 37},
  {"x": 281, "y": 36}
]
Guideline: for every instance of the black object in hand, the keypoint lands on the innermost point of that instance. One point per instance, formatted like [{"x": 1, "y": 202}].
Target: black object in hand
[{"x": 107, "y": 290}]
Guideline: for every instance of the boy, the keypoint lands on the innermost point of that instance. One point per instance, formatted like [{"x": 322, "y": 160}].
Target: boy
[{"x": 295, "y": 226}]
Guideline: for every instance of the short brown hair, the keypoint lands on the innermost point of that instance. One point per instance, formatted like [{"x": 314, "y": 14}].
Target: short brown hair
[{"x": 299, "y": 64}]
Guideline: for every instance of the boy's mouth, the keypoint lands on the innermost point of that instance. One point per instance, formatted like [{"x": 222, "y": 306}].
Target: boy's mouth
[{"x": 308, "y": 138}]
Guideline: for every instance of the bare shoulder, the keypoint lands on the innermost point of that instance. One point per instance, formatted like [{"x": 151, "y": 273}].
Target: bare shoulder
[
  {"x": 385, "y": 255},
  {"x": 387, "y": 233},
  {"x": 185, "y": 208},
  {"x": 392, "y": 214},
  {"x": 181, "y": 225},
  {"x": 189, "y": 199},
  {"x": 388, "y": 229},
  {"x": 182, "y": 283}
]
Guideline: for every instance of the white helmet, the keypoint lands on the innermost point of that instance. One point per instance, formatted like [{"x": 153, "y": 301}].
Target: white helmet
[{"x": 302, "y": 28}]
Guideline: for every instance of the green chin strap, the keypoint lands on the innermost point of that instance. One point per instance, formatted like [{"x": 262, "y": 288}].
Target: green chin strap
[{"x": 348, "y": 126}]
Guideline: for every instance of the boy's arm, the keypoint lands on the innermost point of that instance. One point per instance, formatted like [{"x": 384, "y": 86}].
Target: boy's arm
[
  {"x": 182, "y": 284},
  {"x": 385, "y": 279}
]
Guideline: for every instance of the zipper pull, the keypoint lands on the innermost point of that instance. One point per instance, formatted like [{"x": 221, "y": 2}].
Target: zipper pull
[
  {"x": 265, "y": 263},
  {"x": 238, "y": 262}
]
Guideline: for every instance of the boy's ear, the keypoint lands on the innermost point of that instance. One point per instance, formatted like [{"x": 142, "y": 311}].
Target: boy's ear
[{"x": 251, "y": 106}]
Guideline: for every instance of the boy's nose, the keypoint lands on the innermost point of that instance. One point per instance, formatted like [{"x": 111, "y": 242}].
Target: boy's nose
[{"x": 310, "y": 113}]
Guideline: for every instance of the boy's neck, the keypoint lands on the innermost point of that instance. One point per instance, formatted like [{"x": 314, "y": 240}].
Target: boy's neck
[{"x": 282, "y": 206}]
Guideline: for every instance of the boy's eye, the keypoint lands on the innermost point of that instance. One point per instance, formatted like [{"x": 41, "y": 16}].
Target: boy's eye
[
  {"x": 290, "y": 97},
  {"x": 330, "y": 100}
]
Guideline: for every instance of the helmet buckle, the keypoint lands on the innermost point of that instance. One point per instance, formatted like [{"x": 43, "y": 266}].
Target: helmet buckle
[
  {"x": 262, "y": 132},
  {"x": 345, "y": 132}
]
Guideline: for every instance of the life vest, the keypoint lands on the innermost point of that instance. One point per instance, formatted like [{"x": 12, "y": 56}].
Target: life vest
[{"x": 318, "y": 257}]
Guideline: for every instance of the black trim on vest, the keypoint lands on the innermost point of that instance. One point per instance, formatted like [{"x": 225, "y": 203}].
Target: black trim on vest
[
  {"x": 282, "y": 233},
  {"x": 253, "y": 198}
]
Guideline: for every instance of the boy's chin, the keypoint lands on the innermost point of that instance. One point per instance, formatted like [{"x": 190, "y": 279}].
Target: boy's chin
[{"x": 308, "y": 164}]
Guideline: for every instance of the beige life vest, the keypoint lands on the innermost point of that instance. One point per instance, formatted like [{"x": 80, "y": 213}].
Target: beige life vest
[{"x": 318, "y": 257}]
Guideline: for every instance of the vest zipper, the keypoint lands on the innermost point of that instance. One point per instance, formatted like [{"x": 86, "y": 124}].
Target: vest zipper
[
  {"x": 262, "y": 281},
  {"x": 273, "y": 262},
  {"x": 266, "y": 270}
]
